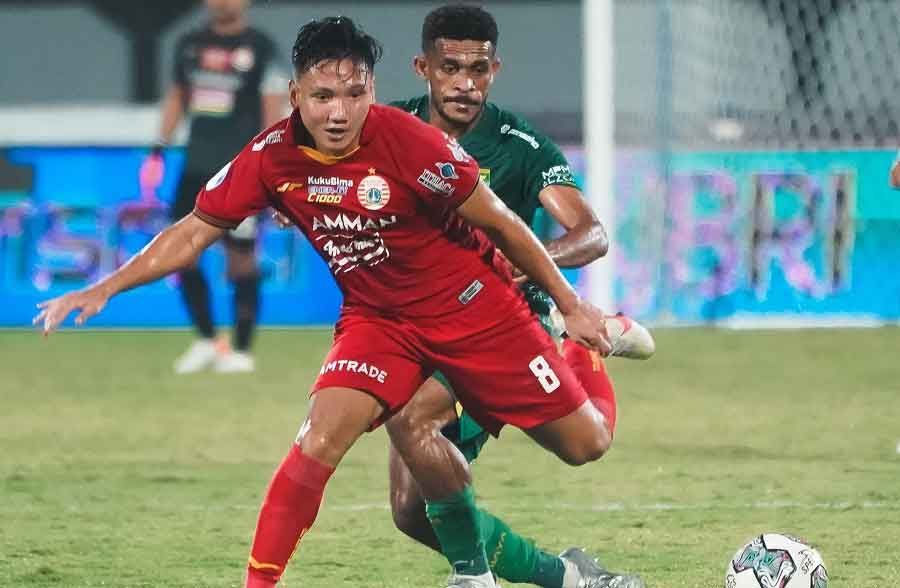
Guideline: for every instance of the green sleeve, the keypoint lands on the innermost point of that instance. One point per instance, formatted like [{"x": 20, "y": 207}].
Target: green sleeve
[{"x": 547, "y": 166}]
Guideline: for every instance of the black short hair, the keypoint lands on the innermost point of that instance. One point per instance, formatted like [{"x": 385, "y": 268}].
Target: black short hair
[
  {"x": 460, "y": 22},
  {"x": 333, "y": 37}
]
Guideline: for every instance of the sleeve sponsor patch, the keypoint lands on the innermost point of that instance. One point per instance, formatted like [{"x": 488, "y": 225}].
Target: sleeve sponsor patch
[
  {"x": 508, "y": 130},
  {"x": 558, "y": 174},
  {"x": 436, "y": 183}
]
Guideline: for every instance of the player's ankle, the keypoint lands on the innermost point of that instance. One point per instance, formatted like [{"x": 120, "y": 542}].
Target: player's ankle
[{"x": 259, "y": 579}]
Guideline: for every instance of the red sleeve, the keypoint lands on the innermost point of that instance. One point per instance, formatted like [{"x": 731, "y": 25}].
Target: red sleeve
[
  {"x": 435, "y": 166},
  {"x": 235, "y": 193}
]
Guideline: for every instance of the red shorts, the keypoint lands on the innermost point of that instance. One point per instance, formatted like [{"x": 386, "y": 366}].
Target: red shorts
[{"x": 504, "y": 367}]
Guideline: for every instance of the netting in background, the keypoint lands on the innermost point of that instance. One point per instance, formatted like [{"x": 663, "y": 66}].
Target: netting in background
[
  {"x": 759, "y": 73},
  {"x": 754, "y": 139}
]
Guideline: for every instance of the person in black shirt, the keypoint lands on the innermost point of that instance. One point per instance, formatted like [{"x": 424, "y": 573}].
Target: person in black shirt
[{"x": 228, "y": 82}]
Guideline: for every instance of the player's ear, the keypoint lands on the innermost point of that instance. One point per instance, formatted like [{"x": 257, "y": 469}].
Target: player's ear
[
  {"x": 496, "y": 64},
  {"x": 294, "y": 93},
  {"x": 420, "y": 66}
]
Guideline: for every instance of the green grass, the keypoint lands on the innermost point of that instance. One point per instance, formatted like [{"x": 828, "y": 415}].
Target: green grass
[{"x": 113, "y": 472}]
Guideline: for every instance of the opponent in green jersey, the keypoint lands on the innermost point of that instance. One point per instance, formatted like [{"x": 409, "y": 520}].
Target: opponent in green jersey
[{"x": 527, "y": 171}]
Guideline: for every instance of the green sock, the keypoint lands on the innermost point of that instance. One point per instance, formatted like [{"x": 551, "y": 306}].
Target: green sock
[
  {"x": 516, "y": 559},
  {"x": 457, "y": 525}
]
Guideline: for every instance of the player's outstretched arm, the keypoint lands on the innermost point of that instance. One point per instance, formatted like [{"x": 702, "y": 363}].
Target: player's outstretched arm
[
  {"x": 486, "y": 211},
  {"x": 176, "y": 247},
  {"x": 585, "y": 238}
]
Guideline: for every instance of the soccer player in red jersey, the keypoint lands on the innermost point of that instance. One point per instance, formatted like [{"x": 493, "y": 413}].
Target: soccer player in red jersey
[{"x": 394, "y": 207}]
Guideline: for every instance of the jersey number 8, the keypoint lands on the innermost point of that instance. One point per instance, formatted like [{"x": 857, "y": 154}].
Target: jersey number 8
[{"x": 544, "y": 374}]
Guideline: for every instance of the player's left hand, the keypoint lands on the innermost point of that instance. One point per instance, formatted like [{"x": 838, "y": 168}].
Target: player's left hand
[
  {"x": 53, "y": 312},
  {"x": 586, "y": 326}
]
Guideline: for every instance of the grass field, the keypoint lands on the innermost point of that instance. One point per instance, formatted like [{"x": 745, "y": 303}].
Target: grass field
[{"x": 113, "y": 472}]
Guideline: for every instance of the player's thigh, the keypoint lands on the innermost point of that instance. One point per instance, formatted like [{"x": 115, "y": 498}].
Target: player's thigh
[
  {"x": 577, "y": 438},
  {"x": 513, "y": 375},
  {"x": 337, "y": 417},
  {"x": 377, "y": 356},
  {"x": 433, "y": 407}
]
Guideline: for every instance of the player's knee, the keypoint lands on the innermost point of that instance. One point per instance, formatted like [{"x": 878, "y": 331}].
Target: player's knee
[
  {"x": 587, "y": 449},
  {"x": 320, "y": 445},
  {"x": 409, "y": 427}
]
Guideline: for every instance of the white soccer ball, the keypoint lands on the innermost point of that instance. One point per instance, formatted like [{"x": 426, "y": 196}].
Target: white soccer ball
[{"x": 776, "y": 561}]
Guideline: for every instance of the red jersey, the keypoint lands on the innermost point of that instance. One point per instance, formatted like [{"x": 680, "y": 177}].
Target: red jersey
[{"x": 383, "y": 217}]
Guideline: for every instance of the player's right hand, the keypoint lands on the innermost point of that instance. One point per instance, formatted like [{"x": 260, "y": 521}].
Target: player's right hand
[
  {"x": 53, "y": 312},
  {"x": 586, "y": 326}
]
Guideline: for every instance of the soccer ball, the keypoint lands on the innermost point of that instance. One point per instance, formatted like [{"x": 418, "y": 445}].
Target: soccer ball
[{"x": 776, "y": 561}]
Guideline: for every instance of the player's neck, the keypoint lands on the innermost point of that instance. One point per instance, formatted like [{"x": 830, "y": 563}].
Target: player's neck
[
  {"x": 453, "y": 129},
  {"x": 228, "y": 28}
]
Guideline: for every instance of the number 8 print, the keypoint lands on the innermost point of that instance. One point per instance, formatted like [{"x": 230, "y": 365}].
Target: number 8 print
[{"x": 544, "y": 374}]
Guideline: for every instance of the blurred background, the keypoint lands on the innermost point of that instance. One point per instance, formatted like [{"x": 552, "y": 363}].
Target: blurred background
[{"x": 751, "y": 149}]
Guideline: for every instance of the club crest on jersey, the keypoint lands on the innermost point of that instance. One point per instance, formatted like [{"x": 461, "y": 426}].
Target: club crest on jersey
[
  {"x": 447, "y": 171},
  {"x": 373, "y": 192}
]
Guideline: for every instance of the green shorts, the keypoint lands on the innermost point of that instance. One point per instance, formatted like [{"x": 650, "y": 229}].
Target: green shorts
[{"x": 467, "y": 434}]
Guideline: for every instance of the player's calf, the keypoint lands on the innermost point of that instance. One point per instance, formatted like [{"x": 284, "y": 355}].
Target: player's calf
[
  {"x": 444, "y": 480},
  {"x": 408, "y": 506},
  {"x": 337, "y": 417},
  {"x": 288, "y": 511}
]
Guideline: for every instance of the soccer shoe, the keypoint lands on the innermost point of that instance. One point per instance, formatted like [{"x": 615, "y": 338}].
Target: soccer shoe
[
  {"x": 482, "y": 581},
  {"x": 199, "y": 356},
  {"x": 234, "y": 362},
  {"x": 590, "y": 573},
  {"x": 629, "y": 339}
]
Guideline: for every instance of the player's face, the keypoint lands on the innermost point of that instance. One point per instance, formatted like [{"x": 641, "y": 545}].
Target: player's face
[
  {"x": 459, "y": 76},
  {"x": 226, "y": 10},
  {"x": 333, "y": 98}
]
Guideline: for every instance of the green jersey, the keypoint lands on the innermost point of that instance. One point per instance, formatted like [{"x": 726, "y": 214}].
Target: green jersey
[{"x": 517, "y": 162}]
